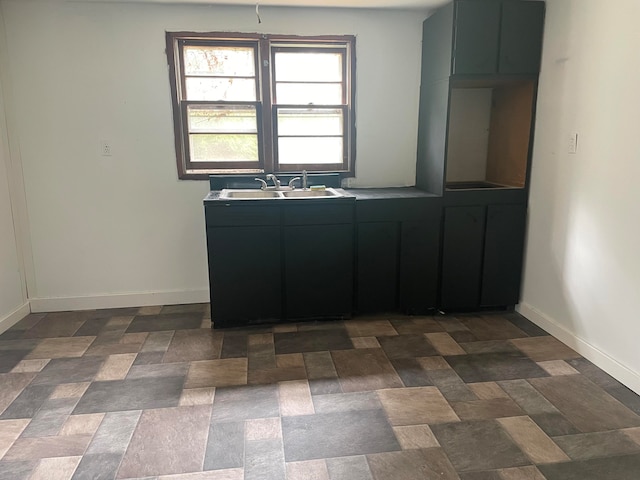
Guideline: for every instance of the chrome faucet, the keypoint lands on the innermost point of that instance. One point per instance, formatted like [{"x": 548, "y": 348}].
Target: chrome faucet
[
  {"x": 263, "y": 184},
  {"x": 304, "y": 179},
  {"x": 291, "y": 185},
  {"x": 276, "y": 182}
]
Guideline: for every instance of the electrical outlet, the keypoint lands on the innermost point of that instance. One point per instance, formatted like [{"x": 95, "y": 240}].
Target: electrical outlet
[
  {"x": 572, "y": 146},
  {"x": 105, "y": 148}
]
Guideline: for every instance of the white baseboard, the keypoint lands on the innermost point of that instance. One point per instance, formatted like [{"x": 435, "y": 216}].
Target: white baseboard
[
  {"x": 120, "y": 300},
  {"x": 14, "y": 317},
  {"x": 596, "y": 356}
]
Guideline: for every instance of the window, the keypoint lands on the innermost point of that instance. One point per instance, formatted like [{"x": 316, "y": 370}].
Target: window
[{"x": 251, "y": 103}]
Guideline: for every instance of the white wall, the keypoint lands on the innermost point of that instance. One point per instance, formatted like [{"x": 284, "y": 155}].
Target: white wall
[
  {"x": 13, "y": 302},
  {"x": 113, "y": 230},
  {"x": 582, "y": 275}
]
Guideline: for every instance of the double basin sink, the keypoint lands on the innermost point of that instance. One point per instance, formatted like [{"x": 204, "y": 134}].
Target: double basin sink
[{"x": 240, "y": 194}]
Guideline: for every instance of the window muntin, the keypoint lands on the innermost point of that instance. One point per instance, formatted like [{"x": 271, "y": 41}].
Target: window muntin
[{"x": 260, "y": 103}]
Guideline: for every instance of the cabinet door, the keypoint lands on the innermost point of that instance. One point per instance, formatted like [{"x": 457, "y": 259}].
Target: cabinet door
[
  {"x": 420, "y": 248},
  {"x": 503, "y": 251},
  {"x": 318, "y": 270},
  {"x": 244, "y": 274},
  {"x": 521, "y": 37},
  {"x": 462, "y": 252},
  {"x": 476, "y": 36},
  {"x": 377, "y": 267}
]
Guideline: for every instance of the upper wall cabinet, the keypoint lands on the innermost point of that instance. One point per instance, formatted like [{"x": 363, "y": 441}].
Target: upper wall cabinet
[{"x": 492, "y": 37}]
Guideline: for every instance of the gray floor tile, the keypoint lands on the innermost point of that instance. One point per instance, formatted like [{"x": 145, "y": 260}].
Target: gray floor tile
[
  {"x": 225, "y": 446},
  {"x": 245, "y": 402},
  {"x": 98, "y": 466},
  {"x": 27, "y": 404},
  {"x": 481, "y": 445},
  {"x": 610, "y": 468},
  {"x": 136, "y": 394},
  {"x": 349, "y": 468},
  {"x": 350, "y": 433},
  {"x": 69, "y": 370}
]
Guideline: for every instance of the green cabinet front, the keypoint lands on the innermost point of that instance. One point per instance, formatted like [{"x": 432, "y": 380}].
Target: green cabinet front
[
  {"x": 493, "y": 37},
  {"x": 245, "y": 274}
]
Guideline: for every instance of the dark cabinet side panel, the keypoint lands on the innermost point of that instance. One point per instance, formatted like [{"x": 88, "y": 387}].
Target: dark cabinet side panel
[
  {"x": 476, "y": 37},
  {"x": 462, "y": 252},
  {"x": 420, "y": 247},
  {"x": 244, "y": 274},
  {"x": 504, "y": 245},
  {"x": 318, "y": 270},
  {"x": 521, "y": 37},
  {"x": 377, "y": 267}
]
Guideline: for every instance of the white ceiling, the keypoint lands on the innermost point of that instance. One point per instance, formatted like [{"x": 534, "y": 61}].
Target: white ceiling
[{"x": 389, "y": 4}]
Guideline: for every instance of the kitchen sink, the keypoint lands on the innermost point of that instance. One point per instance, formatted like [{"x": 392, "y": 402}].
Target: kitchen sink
[
  {"x": 311, "y": 193},
  {"x": 238, "y": 194},
  {"x": 249, "y": 194}
]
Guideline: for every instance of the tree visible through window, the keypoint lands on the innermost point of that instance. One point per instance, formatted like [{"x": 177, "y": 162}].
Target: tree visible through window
[{"x": 260, "y": 103}]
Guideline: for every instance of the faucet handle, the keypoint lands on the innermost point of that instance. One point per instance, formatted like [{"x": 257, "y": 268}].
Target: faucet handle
[
  {"x": 263, "y": 184},
  {"x": 291, "y": 185}
]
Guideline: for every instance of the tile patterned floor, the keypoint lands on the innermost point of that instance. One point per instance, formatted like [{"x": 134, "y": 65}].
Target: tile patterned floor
[{"x": 154, "y": 393}]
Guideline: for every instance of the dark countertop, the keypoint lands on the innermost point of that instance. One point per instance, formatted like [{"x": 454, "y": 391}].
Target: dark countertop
[
  {"x": 387, "y": 193},
  {"x": 358, "y": 193}
]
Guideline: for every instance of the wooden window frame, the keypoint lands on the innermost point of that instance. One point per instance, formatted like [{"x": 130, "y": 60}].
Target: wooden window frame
[{"x": 266, "y": 109}]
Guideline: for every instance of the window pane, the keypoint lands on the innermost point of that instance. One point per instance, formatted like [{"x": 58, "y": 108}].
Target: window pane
[
  {"x": 223, "y": 148},
  {"x": 224, "y": 61},
  {"x": 310, "y": 150},
  {"x": 309, "y": 93},
  {"x": 310, "y": 122},
  {"x": 215, "y": 89},
  {"x": 308, "y": 67},
  {"x": 216, "y": 119}
]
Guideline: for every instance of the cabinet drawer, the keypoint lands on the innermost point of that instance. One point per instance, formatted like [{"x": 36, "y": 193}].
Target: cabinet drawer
[
  {"x": 233, "y": 215},
  {"x": 318, "y": 214}
]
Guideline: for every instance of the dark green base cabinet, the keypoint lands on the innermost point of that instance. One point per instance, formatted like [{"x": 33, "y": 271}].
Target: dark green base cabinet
[
  {"x": 482, "y": 250},
  {"x": 398, "y": 242},
  {"x": 271, "y": 263}
]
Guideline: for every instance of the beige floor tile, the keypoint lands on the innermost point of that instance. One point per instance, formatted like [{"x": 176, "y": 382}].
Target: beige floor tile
[
  {"x": 487, "y": 409},
  {"x": 197, "y": 396},
  {"x": 411, "y": 437},
  {"x": 261, "y": 339},
  {"x": 370, "y": 328},
  {"x": 365, "y": 342},
  {"x": 27, "y": 366},
  {"x": 444, "y": 344},
  {"x": 46, "y": 447},
  {"x": 57, "y": 468},
  {"x": 487, "y": 390},
  {"x": 12, "y": 385},
  {"x": 558, "y": 367},
  {"x": 116, "y": 367},
  {"x": 70, "y": 390},
  {"x": 365, "y": 369},
  {"x": 151, "y": 310},
  {"x": 227, "y": 474},
  {"x": 180, "y": 448},
  {"x": 289, "y": 360},
  {"x": 416, "y": 406},
  {"x": 10, "y": 430},
  {"x": 521, "y": 473},
  {"x": 285, "y": 328},
  {"x": 433, "y": 363},
  {"x": 263, "y": 429},
  {"x": 308, "y": 470},
  {"x": 541, "y": 349},
  {"x": 61, "y": 347},
  {"x": 532, "y": 440},
  {"x": 295, "y": 398},
  {"x": 86, "y": 424},
  {"x": 217, "y": 373},
  {"x": 424, "y": 464},
  {"x": 633, "y": 434}
]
